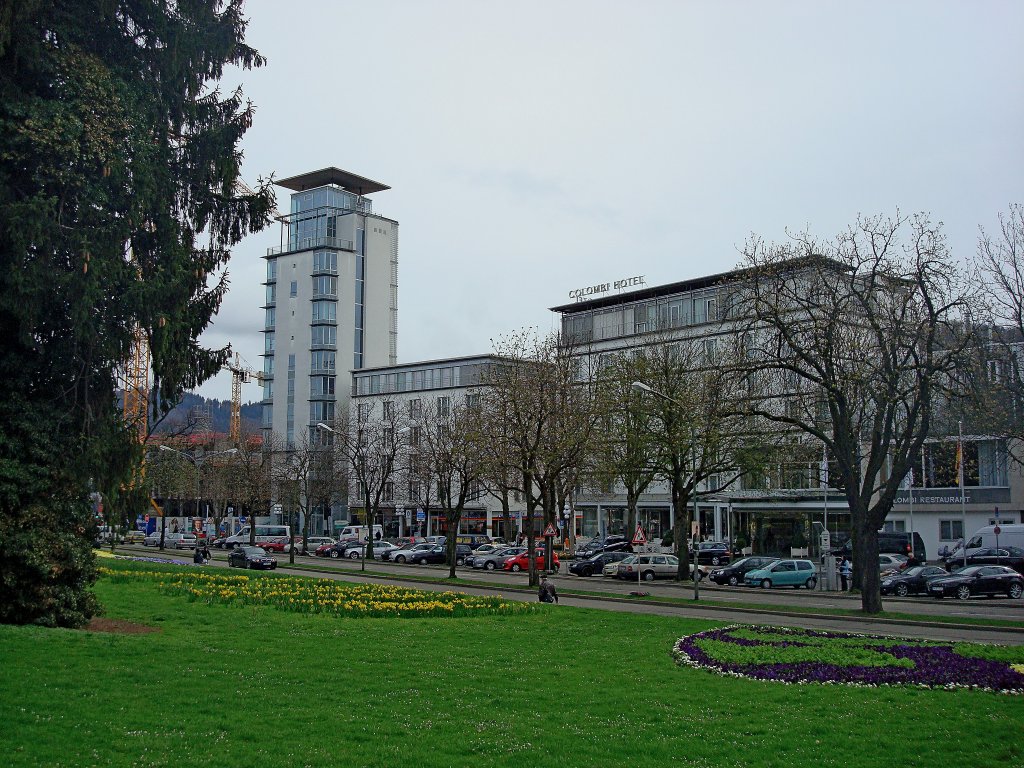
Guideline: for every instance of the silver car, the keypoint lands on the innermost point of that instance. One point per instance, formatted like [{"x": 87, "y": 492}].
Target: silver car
[
  {"x": 650, "y": 567},
  {"x": 409, "y": 553},
  {"x": 495, "y": 560},
  {"x": 482, "y": 550}
]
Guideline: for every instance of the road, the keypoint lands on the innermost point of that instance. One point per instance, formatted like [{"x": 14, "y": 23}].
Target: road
[{"x": 714, "y": 604}]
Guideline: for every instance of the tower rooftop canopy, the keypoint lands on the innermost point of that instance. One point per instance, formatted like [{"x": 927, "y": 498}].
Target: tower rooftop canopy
[{"x": 344, "y": 179}]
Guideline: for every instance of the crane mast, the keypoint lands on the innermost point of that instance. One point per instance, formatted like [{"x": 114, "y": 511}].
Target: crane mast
[{"x": 240, "y": 374}]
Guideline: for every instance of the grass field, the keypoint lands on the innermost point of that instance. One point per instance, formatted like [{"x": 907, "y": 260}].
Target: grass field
[{"x": 228, "y": 685}]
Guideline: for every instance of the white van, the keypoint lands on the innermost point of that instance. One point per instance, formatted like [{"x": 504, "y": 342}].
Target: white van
[
  {"x": 360, "y": 532},
  {"x": 263, "y": 533},
  {"x": 1009, "y": 536}
]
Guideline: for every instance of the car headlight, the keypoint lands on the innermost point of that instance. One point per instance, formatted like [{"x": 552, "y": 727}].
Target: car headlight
[{"x": 887, "y": 582}]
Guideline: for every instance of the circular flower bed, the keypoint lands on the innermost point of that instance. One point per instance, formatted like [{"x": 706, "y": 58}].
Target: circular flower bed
[
  {"x": 809, "y": 656},
  {"x": 304, "y": 595}
]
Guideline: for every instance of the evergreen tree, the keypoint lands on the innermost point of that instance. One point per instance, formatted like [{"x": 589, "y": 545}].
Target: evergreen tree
[{"x": 118, "y": 163}]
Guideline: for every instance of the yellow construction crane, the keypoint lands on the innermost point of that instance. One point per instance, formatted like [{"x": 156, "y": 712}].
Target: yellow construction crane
[
  {"x": 240, "y": 374},
  {"x": 135, "y": 406}
]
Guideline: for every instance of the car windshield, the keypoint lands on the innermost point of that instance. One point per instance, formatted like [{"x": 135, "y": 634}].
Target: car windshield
[
  {"x": 914, "y": 570},
  {"x": 629, "y": 560}
]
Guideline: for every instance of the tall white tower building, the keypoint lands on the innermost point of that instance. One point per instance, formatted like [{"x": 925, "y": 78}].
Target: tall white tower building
[{"x": 331, "y": 300}]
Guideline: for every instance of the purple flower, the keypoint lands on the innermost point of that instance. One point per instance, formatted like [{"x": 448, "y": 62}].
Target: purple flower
[{"x": 933, "y": 665}]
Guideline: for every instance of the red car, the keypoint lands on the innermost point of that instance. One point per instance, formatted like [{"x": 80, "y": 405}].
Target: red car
[
  {"x": 275, "y": 545},
  {"x": 521, "y": 562}
]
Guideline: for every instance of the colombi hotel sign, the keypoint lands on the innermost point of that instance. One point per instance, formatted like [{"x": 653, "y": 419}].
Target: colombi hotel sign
[{"x": 582, "y": 294}]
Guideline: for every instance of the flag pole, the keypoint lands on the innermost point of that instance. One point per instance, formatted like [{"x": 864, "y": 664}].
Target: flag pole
[{"x": 963, "y": 500}]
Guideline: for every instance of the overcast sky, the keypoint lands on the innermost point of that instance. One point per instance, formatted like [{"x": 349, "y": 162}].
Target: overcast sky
[{"x": 536, "y": 147}]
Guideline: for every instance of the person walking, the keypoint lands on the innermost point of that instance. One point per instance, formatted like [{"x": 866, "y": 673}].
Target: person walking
[
  {"x": 845, "y": 572},
  {"x": 547, "y": 592}
]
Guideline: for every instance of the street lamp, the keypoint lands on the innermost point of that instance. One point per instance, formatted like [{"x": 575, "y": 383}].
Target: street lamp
[
  {"x": 643, "y": 387},
  {"x": 197, "y": 461}
]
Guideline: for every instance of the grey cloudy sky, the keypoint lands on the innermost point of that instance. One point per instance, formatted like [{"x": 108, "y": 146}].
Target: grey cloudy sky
[{"x": 535, "y": 147}]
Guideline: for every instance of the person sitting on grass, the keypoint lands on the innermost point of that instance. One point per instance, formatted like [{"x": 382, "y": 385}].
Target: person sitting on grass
[{"x": 547, "y": 592}]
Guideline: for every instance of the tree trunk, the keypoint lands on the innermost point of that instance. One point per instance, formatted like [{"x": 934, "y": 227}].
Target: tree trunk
[
  {"x": 631, "y": 516},
  {"x": 865, "y": 563},
  {"x": 454, "y": 517}
]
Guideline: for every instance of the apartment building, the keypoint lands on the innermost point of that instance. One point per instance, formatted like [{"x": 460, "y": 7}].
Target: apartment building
[
  {"x": 331, "y": 300},
  {"x": 409, "y": 396}
]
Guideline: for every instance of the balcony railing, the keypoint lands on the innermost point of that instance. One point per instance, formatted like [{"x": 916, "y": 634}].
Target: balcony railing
[{"x": 307, "y": 243}]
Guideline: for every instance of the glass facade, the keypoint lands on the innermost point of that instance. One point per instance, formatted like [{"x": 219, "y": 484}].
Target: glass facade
[
  {"x": 441, "y": 377},
  {"x": 629, "y": 318}
]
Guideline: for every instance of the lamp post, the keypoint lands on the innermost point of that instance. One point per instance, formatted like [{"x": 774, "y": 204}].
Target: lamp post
[
  {"x": 198, "y": 462},
  {"x": 643, "y": 387}
]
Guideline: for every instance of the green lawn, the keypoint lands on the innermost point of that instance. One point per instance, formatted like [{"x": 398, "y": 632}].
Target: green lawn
[{"x": 241, "y": 686}]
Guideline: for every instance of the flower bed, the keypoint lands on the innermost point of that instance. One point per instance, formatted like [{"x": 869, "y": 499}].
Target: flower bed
[
  {"x": 809, "y": 656},
  {"x": 139, "y": 558},
  {"x": 304, "y": 595}
]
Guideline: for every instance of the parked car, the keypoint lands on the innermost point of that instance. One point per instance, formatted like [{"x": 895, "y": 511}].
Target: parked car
[
  {"x": 891, "y": 543},
  {"x": 713, "y": 553},
  {"x": 596, "y": 563},
  {"x": 495, "y": 559},
  {"x": 648, "y": 567},
  {"x": 276, "y": 544},
  {"x": 611, "y": 570},
  {"x": 152, "y": 539},
  {"x": 891, "y": 563},
  {"x": 978, "y": 580},
  {"x": 521, "y": 562},
  {"x": 312, "y": 543},
  {"x": 220, "y": 542},
  {"x": 439, "y": 554},
  {"x": 405, "y": 542},
  {"x": 431, "y": 553},
  {"x": 483, "y": 549},
  {"x": 1012, "y": 557},
  {"x": 911, "y": 581},
  {"x": 734, "y": 572},
  {"x": 251, "y": 557},
  {"x": 613, "y": 543},
  {"x": 409, "y": 553},
  {"x": 179, "y": 541},
  {"x": 135, "y": 537},
  {"x": 337, "y": 549},
  {"x": 783, "y": 573},
  {"x": 356, "y": 550}
]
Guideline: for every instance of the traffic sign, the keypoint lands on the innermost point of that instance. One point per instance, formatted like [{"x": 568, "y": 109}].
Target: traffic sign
[
  {"x": 997, "y": 530},
  {"x": 550, "y": 531},
  {"x": 639, "y": 537}
]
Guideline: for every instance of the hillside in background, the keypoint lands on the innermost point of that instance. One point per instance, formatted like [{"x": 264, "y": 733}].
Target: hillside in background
[{"x": 214, "y": 416}]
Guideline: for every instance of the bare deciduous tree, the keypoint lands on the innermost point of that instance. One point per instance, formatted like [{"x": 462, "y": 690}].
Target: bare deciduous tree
[
  {"x": 1000, "y": 261},
  {"x": 698, "y": 421},
  {"x": 370, "y": 442},
  {"x": 538, "y": 407},
  {"x": 453, "y": 443},
  {"x": 855, "y": 342}
]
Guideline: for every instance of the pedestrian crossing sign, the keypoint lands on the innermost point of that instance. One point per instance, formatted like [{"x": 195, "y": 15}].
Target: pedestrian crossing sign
[
  {"x": 550, "y": 530},
  {"x": 639, "y": 537}
]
